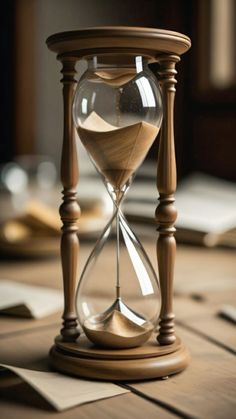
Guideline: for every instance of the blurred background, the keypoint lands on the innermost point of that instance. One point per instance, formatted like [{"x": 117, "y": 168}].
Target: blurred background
[
  {"x": 31, "y": 121},
  {"x": 205, "y": 111}
]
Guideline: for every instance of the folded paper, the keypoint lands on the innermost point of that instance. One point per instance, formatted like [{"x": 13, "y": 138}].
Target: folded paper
[
  {"x": 64, "y": 392},
  {"x": 25, "y": 300}
]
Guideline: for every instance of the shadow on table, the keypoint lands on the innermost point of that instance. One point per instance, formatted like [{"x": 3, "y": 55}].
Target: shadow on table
[{"x": 20, "y": 393}]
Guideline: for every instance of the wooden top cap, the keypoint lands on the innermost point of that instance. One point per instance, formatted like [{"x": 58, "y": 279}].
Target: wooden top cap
[{"x": 118, "y": 39}]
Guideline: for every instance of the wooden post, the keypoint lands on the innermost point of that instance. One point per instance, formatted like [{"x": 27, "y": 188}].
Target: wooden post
[
  {"x": 69, "y": 209},
  {"x": 166, "y": 213}
]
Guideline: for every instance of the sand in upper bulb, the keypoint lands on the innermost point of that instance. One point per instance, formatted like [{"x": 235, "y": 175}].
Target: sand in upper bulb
[{"x": 117, "y": 152}]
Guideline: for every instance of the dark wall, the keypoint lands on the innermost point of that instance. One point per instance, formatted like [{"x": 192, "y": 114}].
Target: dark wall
[
  {"x": 204, "y": 118},
  {"x": 7, "y": 80}
]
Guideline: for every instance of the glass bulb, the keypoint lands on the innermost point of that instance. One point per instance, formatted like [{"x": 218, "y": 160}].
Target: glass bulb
[{"x": 118, "y": 112}]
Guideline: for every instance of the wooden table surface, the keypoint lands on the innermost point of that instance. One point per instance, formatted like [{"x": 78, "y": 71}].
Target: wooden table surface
[{"x": 205, "y": 280}]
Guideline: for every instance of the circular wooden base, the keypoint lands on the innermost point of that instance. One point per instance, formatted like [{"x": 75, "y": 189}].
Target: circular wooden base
[{"x": 151, "y": 360}]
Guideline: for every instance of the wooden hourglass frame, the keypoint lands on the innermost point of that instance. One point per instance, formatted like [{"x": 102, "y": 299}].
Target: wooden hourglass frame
[{"x": 72, "y": 353}]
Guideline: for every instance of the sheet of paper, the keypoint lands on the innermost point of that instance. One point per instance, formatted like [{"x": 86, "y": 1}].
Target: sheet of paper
[
  {"x": 204, "y": 203},
  {"x": 62, "y": 391},
  {"x": 29, "y": 300}
]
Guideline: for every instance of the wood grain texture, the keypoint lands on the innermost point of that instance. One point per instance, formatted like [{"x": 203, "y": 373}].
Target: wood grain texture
[
  {"x": 30, "y": 350},
  {"x": 120, "y": 370},
  {"x": 16, "y": 325},
  {"x": 166, "y": 213},
  {"x": 202, "y": 318},
  {"x": 86, "y": 348},
  {"x": 150, "y": 360},
  {"x": 122, "y": 39},
  {"x": 21, "y": 401},
  {"x": 69, "y": 209},
  {"x": 206, "y": 389}
]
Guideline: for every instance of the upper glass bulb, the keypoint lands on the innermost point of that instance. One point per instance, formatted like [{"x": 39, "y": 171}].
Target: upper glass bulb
[{"x": 118, "y": 112}]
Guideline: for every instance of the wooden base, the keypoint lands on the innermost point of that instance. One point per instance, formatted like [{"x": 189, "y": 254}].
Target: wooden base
[{"x": 151, "y": 360}]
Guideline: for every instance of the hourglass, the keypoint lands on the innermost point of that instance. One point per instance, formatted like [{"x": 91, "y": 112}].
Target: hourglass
[{"x": 117, "y": 108}]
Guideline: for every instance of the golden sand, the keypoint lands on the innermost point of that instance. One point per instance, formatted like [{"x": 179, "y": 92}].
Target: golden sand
[{"x": 117, "y": 152}]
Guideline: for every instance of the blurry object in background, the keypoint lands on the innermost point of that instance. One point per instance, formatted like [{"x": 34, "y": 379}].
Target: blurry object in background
[
  {"x": 36, "y": 232},
  {"x": 14, "y": 178},
  {"x": 21, "y": 300},
  {"x": 222, "y": 44},
  {"x": 33, "y": 233},
  {"x": 29, "y": 200},
  {"x": 18, "y": 240},
  {"x": 42, "y": 177},
  {"x": 216, "y": 50},
  {"x": 14, "y": 183},
  {"x": 210, "y": 104},
  {"x": 40, "y": 169},
  {"x": 206, "y": 209},
  {"x": 42, "y": 218},
  {"x": 27, "y": 177},
  {"x": 216, "y": 34},
  {"x": 228, "y": 312}
]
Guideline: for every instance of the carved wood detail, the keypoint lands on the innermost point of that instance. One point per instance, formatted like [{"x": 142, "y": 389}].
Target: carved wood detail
[
  {"x": 69, "y": 209},
  {"x": 166, "y": 212}
]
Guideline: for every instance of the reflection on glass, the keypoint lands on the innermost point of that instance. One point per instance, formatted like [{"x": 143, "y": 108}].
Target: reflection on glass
[{"x": 118, "y": 112}]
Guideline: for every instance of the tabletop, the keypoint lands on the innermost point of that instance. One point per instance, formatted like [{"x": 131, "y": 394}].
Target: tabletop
[{"x": 205, "y": 281}]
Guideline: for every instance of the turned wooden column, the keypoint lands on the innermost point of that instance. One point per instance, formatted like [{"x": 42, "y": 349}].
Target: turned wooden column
[
  {"x": 69, "y": 209},
  {"x": 166, "y": 212}
]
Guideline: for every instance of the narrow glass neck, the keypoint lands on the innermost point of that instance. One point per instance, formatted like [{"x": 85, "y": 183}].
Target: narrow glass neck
[{"x": 117, "y": 195}]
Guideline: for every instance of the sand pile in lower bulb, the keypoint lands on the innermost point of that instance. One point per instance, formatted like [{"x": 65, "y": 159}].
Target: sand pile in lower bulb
[{"x": 115, "y": 330}]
